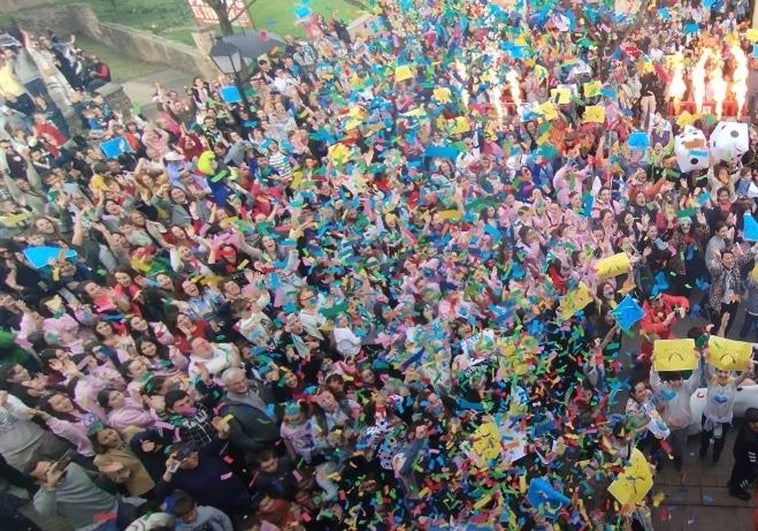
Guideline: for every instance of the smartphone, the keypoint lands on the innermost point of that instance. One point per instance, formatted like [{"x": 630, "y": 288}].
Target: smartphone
[{"x": 62, "y": 463}]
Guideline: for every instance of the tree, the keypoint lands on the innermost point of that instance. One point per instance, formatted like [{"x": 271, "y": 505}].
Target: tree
[{"x": 226, "y": 18}]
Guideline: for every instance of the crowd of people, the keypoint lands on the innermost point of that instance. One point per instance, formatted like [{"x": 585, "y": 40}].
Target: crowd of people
[{"x": 343, "y": 306}]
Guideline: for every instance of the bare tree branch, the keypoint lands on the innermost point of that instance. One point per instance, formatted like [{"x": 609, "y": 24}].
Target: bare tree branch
[{"x": 243, "y": 11}]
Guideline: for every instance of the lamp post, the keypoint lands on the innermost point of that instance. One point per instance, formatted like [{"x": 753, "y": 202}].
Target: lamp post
[{"x": 228, "y": 60}]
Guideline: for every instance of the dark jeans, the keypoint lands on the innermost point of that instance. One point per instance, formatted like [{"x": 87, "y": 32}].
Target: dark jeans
[
  {"x": 743, "y": 474},
  {"x": 23, "y": 104},
  {"x": 749, "y": 327},
  {"x": 718, "y": 443},
  {"x": 14, "y": 477}
]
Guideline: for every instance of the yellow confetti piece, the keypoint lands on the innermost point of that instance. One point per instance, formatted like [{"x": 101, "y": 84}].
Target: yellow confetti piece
[
  {"x": 403, "y": 72},
  {"x": 442, "y": 95},
  {"x": 483, "y": 501},
  {"x": 658, "y": 499},
  {"x": 339, "y": 153}
]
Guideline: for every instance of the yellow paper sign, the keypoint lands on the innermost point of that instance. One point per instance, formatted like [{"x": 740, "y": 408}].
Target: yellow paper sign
[
  {"x": 674, "y": 355},
  {"x": 594, "y": 114},
  {"x": 686, "y": 118},
  {"x": 449, "y": 214},
  {"x": 633, "y": 484},
  {"x": 548, "y": 111},
  {"x": 442, "y": 95},
  {"x": 613, "y": 266},
  {"x": 563, "y": 95},
  {"x": 487, "y": 441},
  {"x": 403, "y": 72},
  {"x": 460, "y": 125},
  {"x": 752, "y": 35},
  {"x": 729, "y": 355},
  {"x": 592, "y": 89},
  {"x": 575, "y": 300}
]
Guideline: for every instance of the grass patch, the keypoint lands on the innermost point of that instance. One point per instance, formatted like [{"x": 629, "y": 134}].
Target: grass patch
[
  {"x": 279, "y": 17},
  {"x": 123, "y": 68},
  {"x": 173, "y": 19},
  {"x": 182, "y": 35}
]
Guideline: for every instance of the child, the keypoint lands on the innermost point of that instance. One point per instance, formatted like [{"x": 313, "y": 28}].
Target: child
[
  {"x": 719, "y": 409},
  {"x": 276, "y": 477},
  {"x": 193, "y": 517}
]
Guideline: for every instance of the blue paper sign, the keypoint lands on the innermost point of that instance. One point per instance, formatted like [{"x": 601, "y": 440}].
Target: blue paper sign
[
  {"x": 39, "y": 257},
  {"x": 230, "y": 94},
  {"x": 750, "y": 227},
  {"x": 692, "y": 27},
  {"x": 627, "y": 313},
  {"x": 639, "y": 140},
  {"x": 114, "y": 147}
]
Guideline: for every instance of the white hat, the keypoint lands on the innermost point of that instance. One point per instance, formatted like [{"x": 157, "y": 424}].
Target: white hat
[{"x": 173, "y": 156}]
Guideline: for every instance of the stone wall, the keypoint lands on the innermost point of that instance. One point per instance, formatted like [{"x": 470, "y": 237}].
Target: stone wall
[
  {"x": 145, "y": 46},
  {"x": 141, "y": 45}
]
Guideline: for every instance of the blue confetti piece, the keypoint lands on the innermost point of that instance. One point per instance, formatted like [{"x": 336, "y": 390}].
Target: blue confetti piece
[
  {"x": 661, "y": 283},
  {"x": 442, "y": 152},
  {"x": 587, "y": 201}
]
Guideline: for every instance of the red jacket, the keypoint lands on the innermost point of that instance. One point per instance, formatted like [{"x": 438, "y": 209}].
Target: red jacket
[{"x": 653, "y": 323}]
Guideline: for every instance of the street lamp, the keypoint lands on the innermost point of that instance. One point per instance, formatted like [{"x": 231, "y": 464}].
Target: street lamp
[{"x": 228, "y": 60}]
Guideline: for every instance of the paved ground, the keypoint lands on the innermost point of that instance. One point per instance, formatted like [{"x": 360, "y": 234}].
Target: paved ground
[{"x": 697, "y": 498}]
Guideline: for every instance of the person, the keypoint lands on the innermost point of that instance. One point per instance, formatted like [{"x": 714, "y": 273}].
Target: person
[
  {"x": 661, "y": 313},
  {"x": 745, "y": 468},
  {"x": 12, "y": 91},
  {"x": 719, "y": 409},
  {"x": 193, "y": 517},
  {"x": 70, "y": 494},
  {"x": 677, "y": 411},
  {"x": 205, "y": 477},
  {"x": 727, "y": 286},
  {"x": 21, "y": 438},
  {"x": 116, "y": 461},
  {"x": 253, "y": 426}
]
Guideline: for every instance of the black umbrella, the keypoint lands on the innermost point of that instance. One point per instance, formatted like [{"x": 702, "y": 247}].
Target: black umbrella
[{"x": 252, "y": 44}]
